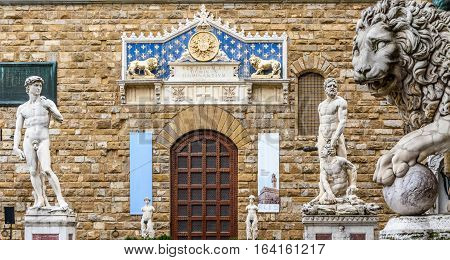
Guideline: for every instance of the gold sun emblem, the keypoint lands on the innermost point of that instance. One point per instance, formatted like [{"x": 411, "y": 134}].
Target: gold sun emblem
[{"x": 203, "y": 46}]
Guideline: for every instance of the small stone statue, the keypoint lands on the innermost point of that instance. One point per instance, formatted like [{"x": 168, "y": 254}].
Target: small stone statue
[
  {"x": 262, "y": 65},
  {"x": 146, "y": 220},
  {"x": 34, "y": 115},
  {"x": 252, "y": 219}
]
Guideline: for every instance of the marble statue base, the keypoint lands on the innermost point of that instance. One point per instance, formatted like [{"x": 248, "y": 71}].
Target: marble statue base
[
  {"x": 50, "y": 224},
  {"x": 339, "y": 227},
  {"x": 429, "y": 227}
]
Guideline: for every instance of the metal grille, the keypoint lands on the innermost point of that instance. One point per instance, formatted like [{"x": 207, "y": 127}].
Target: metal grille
[{"x": 311, "y": 93}]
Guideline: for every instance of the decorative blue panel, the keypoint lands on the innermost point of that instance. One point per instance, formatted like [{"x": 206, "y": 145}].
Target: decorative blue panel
[
  {"x": 238, "y": 46},
  {"x": 140, "y": 170},
  {"x": 235, "y": 49}
]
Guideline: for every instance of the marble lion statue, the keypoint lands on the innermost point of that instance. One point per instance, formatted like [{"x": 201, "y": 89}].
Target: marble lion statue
[
  {"x": 146, "y": 65},
  {"x": 261, "y": 65},
  {"x": 402, "y": 52}
]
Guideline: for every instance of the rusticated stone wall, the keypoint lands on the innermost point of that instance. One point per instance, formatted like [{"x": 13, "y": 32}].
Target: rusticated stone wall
[{"x": 90, "y": 148}]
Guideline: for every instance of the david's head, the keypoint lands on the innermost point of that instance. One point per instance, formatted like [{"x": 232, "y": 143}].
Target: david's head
[{"x": 33, "y": 85}]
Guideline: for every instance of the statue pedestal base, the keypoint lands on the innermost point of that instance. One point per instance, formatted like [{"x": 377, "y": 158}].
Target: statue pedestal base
[
  {"x": 339, "y": 227},
  {"x": 50, "y": 224},
  {"x": 430, "y": 227}
]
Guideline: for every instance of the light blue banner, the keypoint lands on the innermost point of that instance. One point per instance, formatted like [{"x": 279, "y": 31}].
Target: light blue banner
[{"x": 140, "y": 170}]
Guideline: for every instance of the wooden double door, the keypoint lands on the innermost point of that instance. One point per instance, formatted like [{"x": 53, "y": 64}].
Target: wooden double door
[{"x": 203, "y": 186}]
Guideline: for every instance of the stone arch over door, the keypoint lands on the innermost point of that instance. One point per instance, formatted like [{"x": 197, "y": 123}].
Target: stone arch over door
[{"x": 207, "y": 118}]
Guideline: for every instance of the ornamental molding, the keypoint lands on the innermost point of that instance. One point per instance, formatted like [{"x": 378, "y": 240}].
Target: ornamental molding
[{"x": 333, "y": 219}]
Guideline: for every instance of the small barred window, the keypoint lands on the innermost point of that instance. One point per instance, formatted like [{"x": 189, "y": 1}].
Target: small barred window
[{"x": 311, "y": 93}]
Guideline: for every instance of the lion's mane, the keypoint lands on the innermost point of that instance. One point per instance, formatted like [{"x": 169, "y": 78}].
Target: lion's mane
[{"x": 423, "y": 39}]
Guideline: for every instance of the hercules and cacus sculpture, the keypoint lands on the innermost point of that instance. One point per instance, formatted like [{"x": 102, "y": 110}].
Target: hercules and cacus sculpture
[{"x": 402, "y": 52}]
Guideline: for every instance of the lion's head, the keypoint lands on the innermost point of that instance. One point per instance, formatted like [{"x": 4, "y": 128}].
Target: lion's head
[
  {"x": 401, "y": 51},
  {"x": 152, "y": 63},
  {"x": 254, "y": 61}
]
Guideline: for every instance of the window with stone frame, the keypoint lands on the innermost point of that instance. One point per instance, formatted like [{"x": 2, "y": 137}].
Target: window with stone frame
[{"x": 310, "y": 94}]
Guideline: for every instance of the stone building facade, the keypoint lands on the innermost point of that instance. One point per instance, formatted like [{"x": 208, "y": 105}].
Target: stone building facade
[{"x": 90, "y": 149}]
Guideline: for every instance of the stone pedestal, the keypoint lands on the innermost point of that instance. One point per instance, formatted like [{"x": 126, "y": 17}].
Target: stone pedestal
[
  {"x": 430, "y": 227},
  {"x": 50, "y": 224},
  {"x": 338, "y": 227}
]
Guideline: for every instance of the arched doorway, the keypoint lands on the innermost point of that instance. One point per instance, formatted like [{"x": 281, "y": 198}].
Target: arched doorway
[{"x": 203, "y": 186}]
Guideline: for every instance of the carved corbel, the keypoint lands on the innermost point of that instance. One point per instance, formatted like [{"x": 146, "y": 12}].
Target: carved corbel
[
  {"x": 122, "y": 93},
  {"x": 158, "y": 87},
  {"x": 249, "y": 92},
  {"x": 286, "y": 93}
]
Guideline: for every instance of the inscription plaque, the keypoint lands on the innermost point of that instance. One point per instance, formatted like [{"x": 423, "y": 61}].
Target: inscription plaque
[{"x": 204, "y": 72}]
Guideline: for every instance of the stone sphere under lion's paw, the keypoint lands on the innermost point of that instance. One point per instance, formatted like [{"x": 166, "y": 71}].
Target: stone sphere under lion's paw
[{"x": 414, "y": 193}]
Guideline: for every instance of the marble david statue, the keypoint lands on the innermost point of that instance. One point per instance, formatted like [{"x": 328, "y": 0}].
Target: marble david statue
[{"x": 34, "y": 115}]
